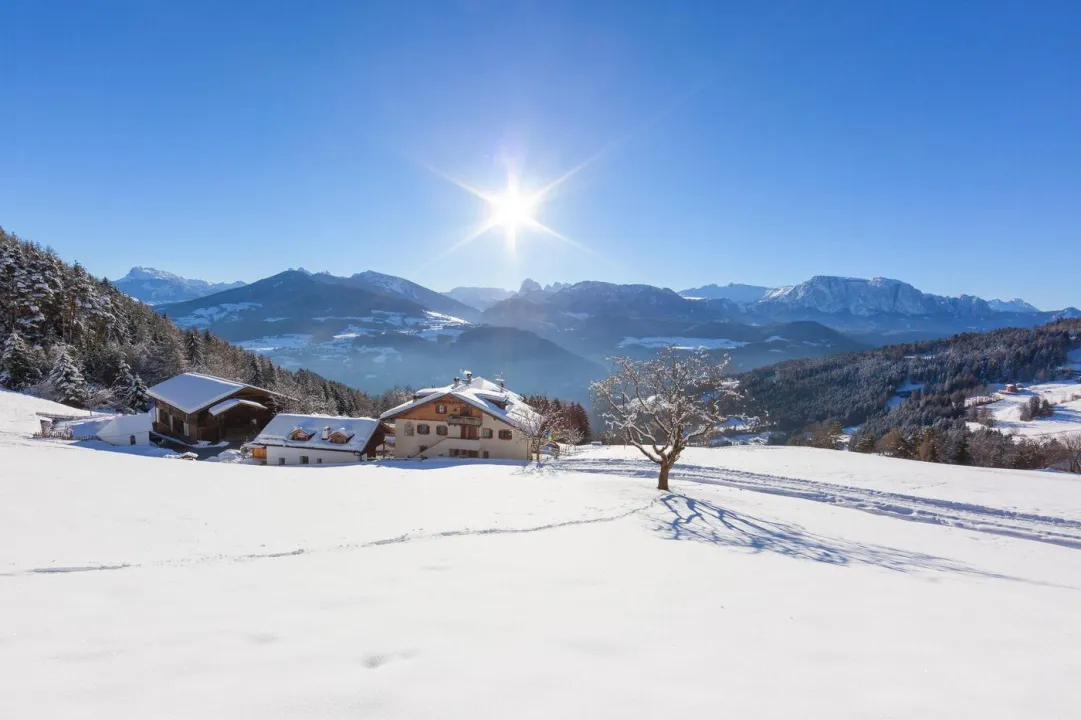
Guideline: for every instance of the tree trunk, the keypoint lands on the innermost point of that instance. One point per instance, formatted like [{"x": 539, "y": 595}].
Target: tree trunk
[{"x": 662, "y": 478}]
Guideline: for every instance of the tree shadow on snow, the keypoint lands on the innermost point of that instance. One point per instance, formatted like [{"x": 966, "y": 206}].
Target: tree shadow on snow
[{"x": 691, "y": 519}]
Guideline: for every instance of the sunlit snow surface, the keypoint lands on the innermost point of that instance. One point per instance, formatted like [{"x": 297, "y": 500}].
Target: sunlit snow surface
[{"x": 770, "y": 583}]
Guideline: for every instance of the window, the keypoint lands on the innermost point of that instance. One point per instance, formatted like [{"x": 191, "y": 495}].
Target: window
[
  {"x": 409, "y": 429},
  {"x": 486, "y": 433},
  {"x": 504, "y": 435},
  {"x": 423, "y": 429},
  {"x": 131, "y": 440},
  {"x": 303, "y": 459},
  {"x": 319, "y": 461},
  {"x": 440, "y": 429},
  {"x": 441, "y": 409},
  {"x": 281, "y": 461},
  {"x": 485, "y": 455},
  {"x": 340, "y": 437}
]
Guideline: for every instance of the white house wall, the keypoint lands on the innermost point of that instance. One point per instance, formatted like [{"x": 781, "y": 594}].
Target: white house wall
[
  {"x": 292, "y": 456},
  {"x": 141, "y": 438},
  {"x": 407, "y": 446}
]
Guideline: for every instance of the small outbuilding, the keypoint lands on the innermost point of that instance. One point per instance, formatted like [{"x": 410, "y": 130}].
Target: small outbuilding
[
  {"x": 318, "y": 439},
  {"x": 126, "y": 430},
  {"x": 113, "y": 429}
]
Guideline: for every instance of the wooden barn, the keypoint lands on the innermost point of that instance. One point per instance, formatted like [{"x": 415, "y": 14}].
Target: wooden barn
[{"x": 193, "y": 407}]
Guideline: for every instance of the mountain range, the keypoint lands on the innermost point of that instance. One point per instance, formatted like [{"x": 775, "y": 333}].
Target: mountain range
[
  {"x": 157, "y": 286},
  {"x": 373, "y": 330}
]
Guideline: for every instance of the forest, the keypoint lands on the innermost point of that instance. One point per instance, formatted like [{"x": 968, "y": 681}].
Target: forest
[
  {"x": 71, "y": 337},
  {"x": 855, "y": 388},
  {"x": 914, "y": 400}
]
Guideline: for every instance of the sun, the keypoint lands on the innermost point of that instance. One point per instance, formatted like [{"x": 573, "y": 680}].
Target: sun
[{"x": 511, "y": 209}]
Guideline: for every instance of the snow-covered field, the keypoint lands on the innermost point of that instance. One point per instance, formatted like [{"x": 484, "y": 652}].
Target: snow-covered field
[
  {"x": 770, "y": 583},
  {"x": 1065, "y": 420}
]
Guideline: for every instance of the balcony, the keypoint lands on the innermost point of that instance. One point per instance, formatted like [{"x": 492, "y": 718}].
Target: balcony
[{"x": 463, "y": 420}]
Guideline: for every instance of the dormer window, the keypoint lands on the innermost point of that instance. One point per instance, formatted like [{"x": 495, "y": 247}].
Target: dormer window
[
  {"x": 340, "y": 437},
  {"x": 301, "y": 434}
]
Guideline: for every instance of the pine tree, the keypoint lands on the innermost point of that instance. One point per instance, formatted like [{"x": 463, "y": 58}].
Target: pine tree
[
  {"x": 193, "y": 345},
  {"x": 68, "y": 384},
  {"x": 863, "y": 442},
  {"x": 130, "y": 388},
  {"x": 17, "y": 367}
]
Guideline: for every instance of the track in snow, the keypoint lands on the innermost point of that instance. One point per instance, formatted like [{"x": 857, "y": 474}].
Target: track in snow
[{"x": 999, "y": 521}]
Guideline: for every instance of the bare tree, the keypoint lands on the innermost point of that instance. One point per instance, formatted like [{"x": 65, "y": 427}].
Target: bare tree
[
  {"x": 663, "y": 405},
  {"x": 1071, "y": 452},
  {"x": 541, "y": 426},
  {"x": 573, "y": 437}
]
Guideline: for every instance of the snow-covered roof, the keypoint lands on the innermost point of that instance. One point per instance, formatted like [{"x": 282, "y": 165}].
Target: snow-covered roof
[
  {"x": 122, "y": 425},
  {"x": 191, "y": 392},
  {"x": 482, "y": 394},
  {"x": 280, "y": 429},
  {"x": 101, "y": 426},
  {"x": 232, "y": 403}
]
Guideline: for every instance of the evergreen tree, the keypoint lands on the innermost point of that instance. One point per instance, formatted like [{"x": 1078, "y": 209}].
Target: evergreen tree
[
  {"x": 17, "y": 367},
  {"x": 863, "y": 442},
  {"x": 193, "y": 345},
  {"x": 67, "y": 381},
  {"x": 130, "y": 388}
]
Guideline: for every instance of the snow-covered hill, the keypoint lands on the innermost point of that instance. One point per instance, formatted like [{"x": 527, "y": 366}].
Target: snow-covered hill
[
  {"x": 772, "y": 583},
  {"x": 158, "y": 286},
  {"x": 1065, "y": 397}
]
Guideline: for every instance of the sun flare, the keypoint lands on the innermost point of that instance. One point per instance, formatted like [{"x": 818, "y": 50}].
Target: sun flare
[{"x": 511, "y": 209}]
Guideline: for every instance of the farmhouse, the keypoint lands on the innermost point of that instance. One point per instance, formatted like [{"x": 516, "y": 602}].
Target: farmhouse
[
  {"x": 474, "y": 418},
  {"x": 317, "y": 439},
  {"x": 195, "y": 407}
]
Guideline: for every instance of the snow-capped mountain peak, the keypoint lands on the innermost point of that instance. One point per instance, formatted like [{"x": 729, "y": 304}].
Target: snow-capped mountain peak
[
  {"x": 148, "y": 273},
  {"x": 1012, "y": 305},
  {"x": 160, "y": 286},
  {"x": 861, "y": 297},
  {"x": 736, "y": 292}
]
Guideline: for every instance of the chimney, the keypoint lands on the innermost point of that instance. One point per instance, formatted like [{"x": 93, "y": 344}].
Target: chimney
[
  {"x": 326, "y": 432},
  {"x": 456, "y": 381},
  {"x": 499, "y": 379},
  {"x": 468, "y": 376}
]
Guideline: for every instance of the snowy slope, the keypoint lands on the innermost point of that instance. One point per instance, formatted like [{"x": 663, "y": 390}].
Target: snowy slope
[
  {"x": 1065, "y": 420},
  {"x": 18, "y": 415},
  {"x": 139, "y": 587}
]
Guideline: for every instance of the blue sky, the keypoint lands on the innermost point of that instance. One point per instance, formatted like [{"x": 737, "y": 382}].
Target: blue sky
[{"x": 932, "y": 141}]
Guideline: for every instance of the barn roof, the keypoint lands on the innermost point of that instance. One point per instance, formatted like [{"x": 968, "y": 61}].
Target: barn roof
[{"x": 191, "y": 392}]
